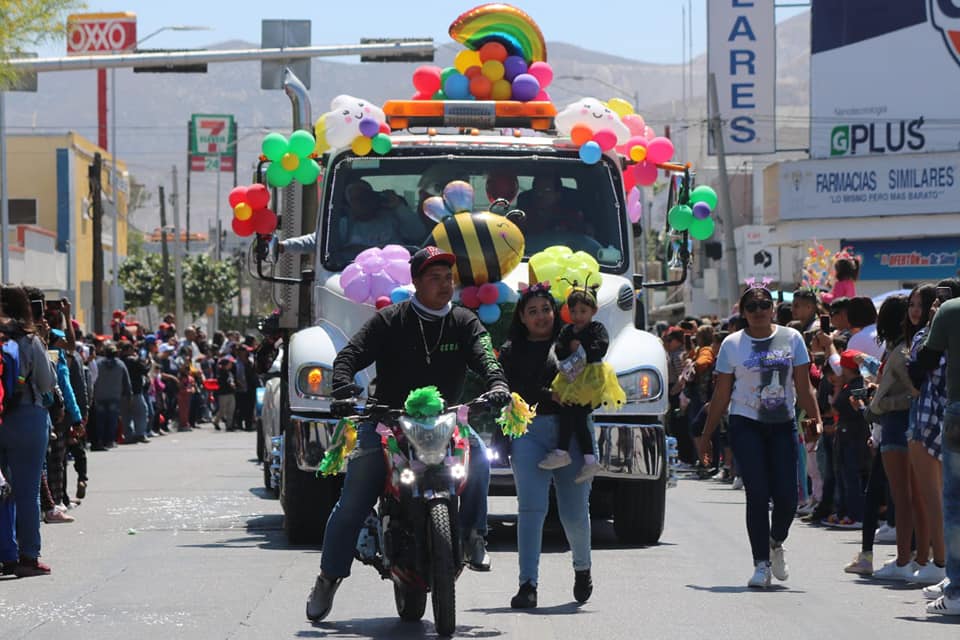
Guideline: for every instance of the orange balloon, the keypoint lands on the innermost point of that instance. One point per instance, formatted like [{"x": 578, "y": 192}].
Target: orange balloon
[
  {"x": 581, "y": 134},
  {"x": 565, "y": 314},
  {"x": 480, "y": 87},
  {"x": 492, "y": 51},
  {"x": 472, "y": 71}
]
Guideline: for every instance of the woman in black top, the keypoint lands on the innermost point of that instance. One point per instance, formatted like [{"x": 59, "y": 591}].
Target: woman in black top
[{"x": 530, "y": 366}]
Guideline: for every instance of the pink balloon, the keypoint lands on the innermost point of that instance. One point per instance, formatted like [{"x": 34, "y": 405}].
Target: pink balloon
[
  {"x": 542, "y": 71},
  {"x": 606, "y": 138},
  {"x": 649, "y": 133},
  {"x": 634, "y": 206},
  {"x": 488, "y": 293},
  {"x": 659, "y": 150},
  {"x": 399, "y": 270},
  {"x": 645, "y": 173},
  {"x": 421, "y": 96},
  {"x": 395, "y": 252},
  {"x": 366, "y": 253},
  {"x": 373, "y": 264},
  {"x": 635, "y": 123},
  {"x": 468, "y": 296},
  {"x": 358, "y": 290},
  {"x": 543, "y": 96},
  {"x": 629, "y": 180},
  {"x": 351, "y": 273},
  {"x": 636, "y": 141},
  {"x": 426, "y": 80}
]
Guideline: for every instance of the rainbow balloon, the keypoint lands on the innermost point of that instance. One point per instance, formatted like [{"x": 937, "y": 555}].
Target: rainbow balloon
[{"x": 498, "y": 22}]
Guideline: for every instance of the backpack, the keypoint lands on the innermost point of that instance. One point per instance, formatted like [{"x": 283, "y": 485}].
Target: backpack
[{"x": 12, "y": 387}]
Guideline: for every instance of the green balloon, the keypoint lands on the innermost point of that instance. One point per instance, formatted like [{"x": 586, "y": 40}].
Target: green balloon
[
  {"x": 680, "y": 217},
  {"x": 307, "y": 172},
  {"x": 382, "y": 144},
  {"x": 277, "y": 176},
  {"x": 446, "y": 73},
  {"x": 302, "y": 143},
  {"x": 439, "y": 95},
  {"x": 703, "y": 193},
  {"x": 274, "y": 146},
  {"x": 701, "y": 229}
]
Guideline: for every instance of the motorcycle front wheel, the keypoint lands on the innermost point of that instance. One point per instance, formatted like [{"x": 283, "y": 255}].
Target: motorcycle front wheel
[
  {"x": 410, "y": 602},
  {"x": 443, "y": 570}
]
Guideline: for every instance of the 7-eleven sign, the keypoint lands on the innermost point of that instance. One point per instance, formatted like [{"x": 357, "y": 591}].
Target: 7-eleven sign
[{"x": 212, "y": 134}]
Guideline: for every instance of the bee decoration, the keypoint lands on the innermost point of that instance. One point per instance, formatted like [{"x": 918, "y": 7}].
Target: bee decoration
[{"x": 487, "y": 245}]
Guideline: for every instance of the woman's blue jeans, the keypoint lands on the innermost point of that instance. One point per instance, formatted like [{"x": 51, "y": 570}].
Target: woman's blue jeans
[
  {"x": 107, "y": 414},
  {"x": 363, "y": 485},
  {"x": 533, "y": 496},
  {"x": 767, "y": 461},
  {"x": 23, "y": 450}
]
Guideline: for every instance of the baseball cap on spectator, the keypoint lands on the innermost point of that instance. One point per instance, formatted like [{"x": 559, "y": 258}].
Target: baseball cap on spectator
[
  {"x": 118, "y": 313},
  {"x": 673, "y": 333},
  {"x": 58, "y": 334},
  {"x": 150, "y": 339},
  {"x": 428, "y": 256},
  {"x": 848, "y": 359},
  {"x": 165, "y": 348}
]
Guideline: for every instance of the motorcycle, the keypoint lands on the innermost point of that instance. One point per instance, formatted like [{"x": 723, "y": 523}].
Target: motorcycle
[{"x": 412, "y": 538}]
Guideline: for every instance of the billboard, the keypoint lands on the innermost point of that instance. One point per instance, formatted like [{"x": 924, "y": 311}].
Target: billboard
[
  {"x": 759, "y": 257},
  {"x": 898, "y": 185},
  {"x": 741, "y": 53},
  {"x": 93, "y": 33},
  {"x": 884, "y": 77},
  {"x": 213, "y": 142},
  {"x": 918, "y": 259}
]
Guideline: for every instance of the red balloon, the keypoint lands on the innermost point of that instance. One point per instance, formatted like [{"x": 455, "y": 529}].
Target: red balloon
[
  {"x": 480, "y": 87},
  {"x": 492, "y": 51},
  {"x": 468, "y": 296},
  {"x": 645, "y": 173},
  {"x": 237, "y": 195},
  {"x": 385, "y": 128},
  {"x": 382, "y": 301},
  {"x": 488, "y": 293},
  {"x": 629, "y": 180},
  {"x": 258, "y": 197},
  {"x": 473, "y": 71},
  {"x": 565, "y": 314},
  {"x": 421, "y": 96},
  {"x": 426, "y": 79},
  {"x": 264, "y": 221},
  {"x": 243, "y": 228},
  {"x": 606, "y": 138}
]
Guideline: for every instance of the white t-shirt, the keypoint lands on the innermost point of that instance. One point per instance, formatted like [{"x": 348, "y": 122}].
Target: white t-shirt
[
  {"x": 865, "y": 341},
  {"x": 762, "y": 369}
]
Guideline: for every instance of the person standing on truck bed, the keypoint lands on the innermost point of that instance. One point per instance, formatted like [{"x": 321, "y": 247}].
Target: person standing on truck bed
[{"x": 419, "y": 342}]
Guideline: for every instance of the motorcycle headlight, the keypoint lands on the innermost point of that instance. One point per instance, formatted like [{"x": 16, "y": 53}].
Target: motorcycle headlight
[
  {"x": 315, "y": 380},
  {"x": 642, "y": 385},
  {"x": 430, "y": 436}
]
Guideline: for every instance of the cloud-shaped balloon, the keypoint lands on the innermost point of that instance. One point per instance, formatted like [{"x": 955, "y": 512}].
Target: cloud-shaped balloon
[
  {"x": 343, "y": 122},
  {"x": 595, "y": 115}
]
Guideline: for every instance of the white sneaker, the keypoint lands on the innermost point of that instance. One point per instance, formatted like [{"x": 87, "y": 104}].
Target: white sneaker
[
  {"x": 555, "y": 460},
  {"x": 778, "y": 564},
  {"x": 737, "y": 483},
  {"x": 892, "y": 571},
  {"x": 945, "y": 606},
  {"x": 806, "y": 508},
  {"x": 935, "y": 591},
  {"x": 929, "y": 573},
  {"x": 761, "y": 576},
  {"x": 885, "y": 534}
]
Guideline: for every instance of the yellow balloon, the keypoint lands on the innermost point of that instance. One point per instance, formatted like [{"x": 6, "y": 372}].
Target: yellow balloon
[
  {"x": 638, "y": 153},
  {"x": 466, "y": 59},
  {"x": 243, "y": 211},
  {"x": 620, "y": 107},
  {"x": 290, "y": 161},
  {"x": 492, "y": 69},
  {"x": 502, "y": 90},
  {"x": 361, "y": 145},
  {"x": 320, "y": 133}
]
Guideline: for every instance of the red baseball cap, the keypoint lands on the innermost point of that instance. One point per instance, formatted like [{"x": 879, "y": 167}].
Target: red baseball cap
[
  {"x": 848, "y": 359},
  {"x": 428, "y": 256}
]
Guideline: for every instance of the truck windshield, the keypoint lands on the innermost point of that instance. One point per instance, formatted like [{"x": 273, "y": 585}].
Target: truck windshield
[{"x": 372, "y": 202}]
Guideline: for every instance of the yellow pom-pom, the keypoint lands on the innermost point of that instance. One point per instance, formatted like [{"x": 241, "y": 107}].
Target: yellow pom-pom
[
  {"x": 361, "y": 145},
  {"x": 289, "y": 161},
  {"x": 243, "y": 211},
  {"x": 638, "y": 153}
]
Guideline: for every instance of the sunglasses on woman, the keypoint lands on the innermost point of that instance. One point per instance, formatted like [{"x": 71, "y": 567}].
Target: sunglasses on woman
[{"x": 758, "y": 305}]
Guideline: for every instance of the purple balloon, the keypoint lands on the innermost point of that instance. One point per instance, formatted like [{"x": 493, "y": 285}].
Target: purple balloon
[
  {"x": 351, "y": 273},
  {"x": 381, "y": 285},
  {"x": 399, "y": 271},
  {"x": 514, "y": 66},
  {"x": 395, "y": 252},
  {"x": 369, "y": 127},
  {"x": 525, "y": 87},
  {"x": 358, "y": 290},
  {"x": 701, "y": 211}
]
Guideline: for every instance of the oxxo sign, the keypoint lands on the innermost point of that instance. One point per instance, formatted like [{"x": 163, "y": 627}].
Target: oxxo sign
[
  {"x": 92, "y": 33},
  {"x": 741, "y": 53}
]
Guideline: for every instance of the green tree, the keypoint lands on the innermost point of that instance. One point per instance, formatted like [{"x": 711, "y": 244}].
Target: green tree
[
  {"x": 29, "y": 23},
  {"x": 206, "y": 281},
  {"x": 141, "y": 277}
]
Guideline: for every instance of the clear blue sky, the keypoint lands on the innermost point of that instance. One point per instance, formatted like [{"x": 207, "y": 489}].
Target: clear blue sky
[{"x": 647, "y": 30}]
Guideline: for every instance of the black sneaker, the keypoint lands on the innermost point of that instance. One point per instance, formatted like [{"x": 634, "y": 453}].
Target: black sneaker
[
  {"x": 320, "y": 600},
  {"x": 582, "y": 585},
  {"x": 526, "y": 597}
]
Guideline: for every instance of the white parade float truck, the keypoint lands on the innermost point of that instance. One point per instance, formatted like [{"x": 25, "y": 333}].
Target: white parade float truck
[{"x": 432, "y": 143}]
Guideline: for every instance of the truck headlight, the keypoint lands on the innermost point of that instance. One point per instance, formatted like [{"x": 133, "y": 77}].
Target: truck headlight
[
  {"x": 315, "y": 380},
  {"x": 641, "y": 385}
]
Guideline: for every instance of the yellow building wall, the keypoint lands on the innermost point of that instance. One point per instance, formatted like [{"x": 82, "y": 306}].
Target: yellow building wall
[{"x": 32, "y": 174}]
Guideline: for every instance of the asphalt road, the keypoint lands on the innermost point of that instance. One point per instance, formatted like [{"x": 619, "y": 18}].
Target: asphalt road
[{"x": 177, "y": 540}]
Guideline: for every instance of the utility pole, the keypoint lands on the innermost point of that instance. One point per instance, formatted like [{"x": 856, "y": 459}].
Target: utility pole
[
  {"x": 96, "y": 206},
  {"x": 177, "y": 255},
  {"x": 726, "y": 208},
  {"x": 165, "y": 252},
  {"x": 4, "y": 196}
]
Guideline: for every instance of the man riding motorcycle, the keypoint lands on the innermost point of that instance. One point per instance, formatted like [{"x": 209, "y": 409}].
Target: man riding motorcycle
[{"x": 419, "y": 342}]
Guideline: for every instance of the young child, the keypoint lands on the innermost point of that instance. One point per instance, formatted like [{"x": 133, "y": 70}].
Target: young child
[
  {"x": 584, "y": 382},
  {"x": 226, "y": 390},
  {"x": 847, "y": 270}
]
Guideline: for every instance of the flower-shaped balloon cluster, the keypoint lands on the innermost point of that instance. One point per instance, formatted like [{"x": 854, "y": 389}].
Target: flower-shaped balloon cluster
[
  {"x": 251, "y": 212},
  {"x": 375, "y": 273},
  {"x": 353, "y": 122},
  {"x": 561, "y": 267},
  {"x": 695, "y": 216},
  {"x": 486, "y": 299},
  {"x": 290, "y": 159}
]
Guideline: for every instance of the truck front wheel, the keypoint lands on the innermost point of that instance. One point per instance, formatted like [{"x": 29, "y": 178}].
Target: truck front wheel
[
  {"x": 306, "y": 499},
  {"x": 639, "y": 508}
]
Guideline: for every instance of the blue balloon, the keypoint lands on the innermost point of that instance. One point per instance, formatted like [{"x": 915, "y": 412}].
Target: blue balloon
[
  {"x": 591, "y": 152},
  {"x": 457, "y": 86},
  {"x": 506, "y": 294},
  {"x": 488, "y": 313},
  {"x": 399, "y": 295}
]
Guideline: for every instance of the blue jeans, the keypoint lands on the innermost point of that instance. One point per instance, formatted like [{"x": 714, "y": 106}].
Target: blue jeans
[
  {"x": 767, "y": 461},
  {"x": 893, "y": 431},
  {"x": 23, "y": 450},
  {"x": 804, "y": 492},
  {"x": 108, "y": 412},
  {"x": 851, "y": 452},
  {"x": 533, "y": 493},
  {"x": 363, "y": 485},
  {"x": 951, "y": 495},
  {"x": 137, "y": 415}
]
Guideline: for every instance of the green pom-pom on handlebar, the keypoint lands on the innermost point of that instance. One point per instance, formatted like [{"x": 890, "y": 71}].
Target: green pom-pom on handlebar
[{"x": 424, "y": 402}]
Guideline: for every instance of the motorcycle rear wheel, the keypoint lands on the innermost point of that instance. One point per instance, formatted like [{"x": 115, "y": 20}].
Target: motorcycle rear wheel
[
  {"x": 443, "y": 569},
  {"x": 411, "y": 602}
]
